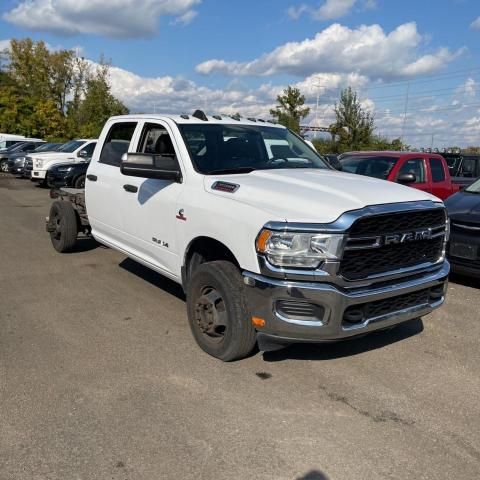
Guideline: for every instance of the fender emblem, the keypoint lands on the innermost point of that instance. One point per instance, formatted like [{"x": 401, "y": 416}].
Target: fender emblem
[{"x": 181, "y": 216}]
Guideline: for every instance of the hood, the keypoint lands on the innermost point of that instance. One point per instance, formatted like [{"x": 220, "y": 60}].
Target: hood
[
  {"x": 52, "y": 155},
  {"x": 313, "y": 195},
  {"x": 464, "y": 206}
]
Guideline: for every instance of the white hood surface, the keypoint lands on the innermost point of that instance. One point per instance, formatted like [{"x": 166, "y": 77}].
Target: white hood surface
[{"x": 313, "y": 195}]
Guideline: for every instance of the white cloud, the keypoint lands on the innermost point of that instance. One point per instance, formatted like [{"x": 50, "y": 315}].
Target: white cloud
[
  {"x": 4, "y": 45},
  {"x": 475, "y": 24},
  {"x": 334, "y": 9},
  {"x": 367, "y": 50},
  {"x": 330, "y": 9},
  {"x": 468, "y": 88},
  {"x": 114, "y": 18}
]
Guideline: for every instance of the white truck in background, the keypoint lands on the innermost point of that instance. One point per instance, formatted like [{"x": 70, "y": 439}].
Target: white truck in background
[
  {"x": 271, "y": 245},
  {"x": 73, "y": 151}
]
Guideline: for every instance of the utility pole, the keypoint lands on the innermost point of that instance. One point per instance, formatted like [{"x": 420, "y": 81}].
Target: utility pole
[
  {"x": 405, "y": 111},
  {"x": 318, "y": 86}
]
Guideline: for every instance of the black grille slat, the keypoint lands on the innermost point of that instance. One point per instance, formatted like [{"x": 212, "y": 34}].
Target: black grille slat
[
  {"x": 397, "y": 222},
  {"x": 360, "y": 264},
  {"x": 381, "y": 308}
]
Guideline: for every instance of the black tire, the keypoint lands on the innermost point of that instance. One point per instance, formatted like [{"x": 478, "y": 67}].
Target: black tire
[
  {"x": 4, "y": 166},
  {"x": 80, "y": 182},
  {"x": 235, "y": 337},
  {"x": 64, "y": 219}
]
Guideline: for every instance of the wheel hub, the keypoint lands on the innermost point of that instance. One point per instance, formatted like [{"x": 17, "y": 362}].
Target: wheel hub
[{"x": 210, "y": 314}]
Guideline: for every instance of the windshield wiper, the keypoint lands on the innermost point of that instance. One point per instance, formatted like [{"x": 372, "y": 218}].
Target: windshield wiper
[{"x": 231, "y": 170}]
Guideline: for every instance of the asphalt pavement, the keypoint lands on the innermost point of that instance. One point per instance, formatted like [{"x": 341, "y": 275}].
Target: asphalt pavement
[{"x": 100, "y": 379}]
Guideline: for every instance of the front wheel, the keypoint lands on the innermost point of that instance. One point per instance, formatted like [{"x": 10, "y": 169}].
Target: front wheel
[
  {"x": 217, "y": 311},
  {"x": 80, "y": 182},
  {"x": 4, "y": 166}
]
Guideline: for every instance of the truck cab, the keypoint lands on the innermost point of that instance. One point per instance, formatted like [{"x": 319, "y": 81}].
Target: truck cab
[
  {"x": 271, "y": 244},
  {"x": 424, "y": 171}
]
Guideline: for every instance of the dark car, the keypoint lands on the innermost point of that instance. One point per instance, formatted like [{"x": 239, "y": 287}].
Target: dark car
[
  {"x": 464, "y": 169},
  {"x": 16, "y": 162},
  {"x": 68, "y": 175},
  {"x": 20, "y": 149},
  {"x": 464, "y": 247}
]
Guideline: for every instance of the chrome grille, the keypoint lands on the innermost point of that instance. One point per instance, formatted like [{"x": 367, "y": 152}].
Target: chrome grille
[{"x": 367, "y": 252}]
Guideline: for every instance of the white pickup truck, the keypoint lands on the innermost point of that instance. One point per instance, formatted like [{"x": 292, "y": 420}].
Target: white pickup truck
[
  {"x": 270, "y": 244},
  {"x": 73, "y": 151}
]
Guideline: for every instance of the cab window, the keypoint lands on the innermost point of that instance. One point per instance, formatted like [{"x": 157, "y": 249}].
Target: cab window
[
  {"x": 468, "y": 167},
  {"x": 117, "y": 143},
  {"x": 156, "y": 140},
  {"x": 436, "y": 166},
  {"x": 415, "y": 166}
]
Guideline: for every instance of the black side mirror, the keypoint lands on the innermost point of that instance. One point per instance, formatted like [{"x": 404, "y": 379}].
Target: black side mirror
[
  {"x": 407, "y": 178},
  {"x": 147, "y": 165}
]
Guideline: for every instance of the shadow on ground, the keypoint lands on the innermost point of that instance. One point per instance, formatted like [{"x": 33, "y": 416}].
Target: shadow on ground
[
  {"x": 314, "y": 475},
  {"x": 471, "y": 282},
  {"x": 346, "y": 348},
  {"x": 153, "y": 278}
]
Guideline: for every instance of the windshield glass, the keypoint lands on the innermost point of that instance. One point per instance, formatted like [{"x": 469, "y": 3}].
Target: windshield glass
[
  {"x": 17, "y": 147},
  {"x": 45, "y": 147},
  {"x": 371, "y": 166},
  {"x": 474, "y": 187},
  {"x": 71, "y": 146},
  {"x": 244, "y": 148}
]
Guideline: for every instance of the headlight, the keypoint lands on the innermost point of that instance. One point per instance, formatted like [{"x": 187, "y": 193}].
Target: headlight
[
  {"x": 20, "y": 159},
  {"x": 301, "y": 250},
  {"x": 38, "y": 163}
]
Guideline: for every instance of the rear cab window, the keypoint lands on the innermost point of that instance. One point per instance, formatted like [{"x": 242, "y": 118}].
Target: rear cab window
[
  {"x": 437, "y": 170},
  {"x": 116, "y": 143}
]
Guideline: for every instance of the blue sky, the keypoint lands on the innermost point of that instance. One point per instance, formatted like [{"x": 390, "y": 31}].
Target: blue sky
[{"x": 226, "y": 56}]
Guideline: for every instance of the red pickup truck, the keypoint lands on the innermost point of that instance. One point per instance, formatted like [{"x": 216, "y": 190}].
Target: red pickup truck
[{"x": 425, "y": 171}]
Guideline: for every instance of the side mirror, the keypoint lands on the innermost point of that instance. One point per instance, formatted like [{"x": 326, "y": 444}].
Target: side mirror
[
  {"x": 82, "y": 154},
  {"x": 407, "y": 178},
  {"x": 336, "y": 164},
  {"x": 147, "y": 165}
]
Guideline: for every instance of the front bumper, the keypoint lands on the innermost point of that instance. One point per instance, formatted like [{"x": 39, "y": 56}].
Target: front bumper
[
  {"x": 38, "y": 175},
  {"x": 264, "y": 294}
]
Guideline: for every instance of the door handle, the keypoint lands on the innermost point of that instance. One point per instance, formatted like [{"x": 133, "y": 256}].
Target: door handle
[
  {"x": 130, "y": 188},
  {"x": 92, "y": 178}
]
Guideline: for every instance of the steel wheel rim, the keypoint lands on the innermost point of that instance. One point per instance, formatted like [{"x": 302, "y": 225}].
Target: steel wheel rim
[{"x": 211, "y": 315}]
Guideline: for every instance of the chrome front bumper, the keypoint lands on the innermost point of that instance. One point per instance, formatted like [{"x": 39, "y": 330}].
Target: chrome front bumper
[{"x": 263, "y": 293}]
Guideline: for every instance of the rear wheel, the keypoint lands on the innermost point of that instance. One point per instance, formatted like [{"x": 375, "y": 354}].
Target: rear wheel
[
  {"x": 80, "y": 182},
  {"x": 217, "y": 311},
  {"x": 63, "y": 226}
]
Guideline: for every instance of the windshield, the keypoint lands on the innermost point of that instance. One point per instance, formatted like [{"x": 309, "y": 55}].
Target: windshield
[
  {"x": 16, "y": 148},
  {"x": 45, "y": 147},
  {"x": 244, "y": 148},
  {"x": 371, "y": 166},
  {"x": 474, "y": 187},
  {"x": 71, "y": 146}
]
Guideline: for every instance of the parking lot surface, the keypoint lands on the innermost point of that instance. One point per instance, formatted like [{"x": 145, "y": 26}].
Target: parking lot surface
[{"x": 101, "y": 379}]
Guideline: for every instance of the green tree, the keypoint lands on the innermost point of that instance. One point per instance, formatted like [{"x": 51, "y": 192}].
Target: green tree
[
  {"x": 290, "y": 109},
  {"x": 354, "y": 125},
  {"x": 98, "y": 104}
]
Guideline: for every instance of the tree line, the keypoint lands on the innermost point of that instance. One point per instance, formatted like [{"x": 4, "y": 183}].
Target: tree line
[
  {"x": 353, "y": 129},
  {"x": 53, "y": 94}
]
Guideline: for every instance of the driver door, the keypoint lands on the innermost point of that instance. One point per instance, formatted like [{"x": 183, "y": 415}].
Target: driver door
[{"x": 150, "y": 205}]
